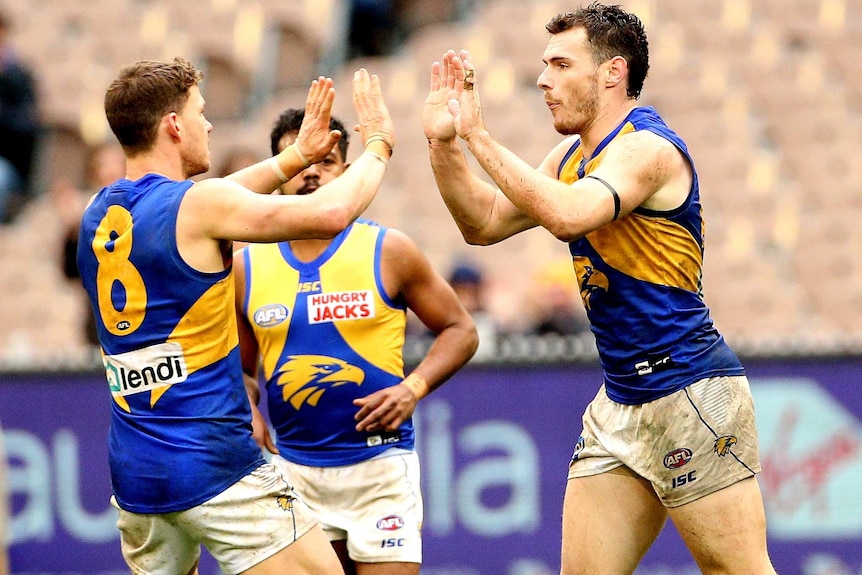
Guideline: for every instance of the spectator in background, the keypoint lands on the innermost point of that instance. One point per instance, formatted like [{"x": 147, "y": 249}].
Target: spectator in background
[
  {"x": 19, "y": 124},
  {"x": 373, "y": 28},
  {"x": 558, "y": 306},
  {"x": 468, "y": 281},
  {"x": 105, "y": 164}
]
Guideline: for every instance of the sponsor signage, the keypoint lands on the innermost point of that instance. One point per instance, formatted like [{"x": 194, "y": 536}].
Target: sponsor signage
[{"x": 494, "y": 444}]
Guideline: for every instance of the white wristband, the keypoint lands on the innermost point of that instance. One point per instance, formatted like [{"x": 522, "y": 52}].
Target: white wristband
[{"x": 278, "y": 171}]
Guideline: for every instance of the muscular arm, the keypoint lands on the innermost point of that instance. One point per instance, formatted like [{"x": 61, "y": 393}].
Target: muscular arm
[
  {"x": 219, "y": 210},
  {"x": 483, "y": 214},
  {"x": 406, "y": 271}
]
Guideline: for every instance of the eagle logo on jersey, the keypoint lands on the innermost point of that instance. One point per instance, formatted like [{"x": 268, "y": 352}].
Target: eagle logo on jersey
[
  {"x": 723, "y": 444},
  {"x": 305, "y": 378},
  {"x": 590, "y": 280}
]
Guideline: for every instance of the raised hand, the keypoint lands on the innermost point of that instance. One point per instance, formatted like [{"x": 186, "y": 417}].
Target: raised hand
[
  {"x": 315, "y": 140},
  {"x": 371, "y": 111},
  {"x": 465, "y": 108},
  {"x": 436, "y": 117}
]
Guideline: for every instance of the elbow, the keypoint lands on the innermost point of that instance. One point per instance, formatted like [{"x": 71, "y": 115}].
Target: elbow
[
  {"x": 334, "y": 220},
  {"x": 566, "y": 231}
]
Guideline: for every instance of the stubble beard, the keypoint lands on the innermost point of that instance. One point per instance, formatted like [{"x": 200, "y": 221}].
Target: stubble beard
[{"x": 585, "y": 111}]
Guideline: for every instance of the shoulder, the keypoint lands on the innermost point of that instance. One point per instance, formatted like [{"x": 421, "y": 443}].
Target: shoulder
[
  {"x": 550, "y": 165},
  {"x": 645, "y": 151},
  {"x": 396, "y": 242}
]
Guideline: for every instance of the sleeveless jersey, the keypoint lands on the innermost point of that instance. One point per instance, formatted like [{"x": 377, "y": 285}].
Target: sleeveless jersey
[
  {"x": 640, "y": 281},
  {"x": 328, "y": 333},
  {"x": 180, "y": 428}
]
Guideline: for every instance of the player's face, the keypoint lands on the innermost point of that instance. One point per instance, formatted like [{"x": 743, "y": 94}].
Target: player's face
[
  {"x": 195, "y": 132},
  {"x": 315, "y": 175},
  {"x": 570, "y": 82}
]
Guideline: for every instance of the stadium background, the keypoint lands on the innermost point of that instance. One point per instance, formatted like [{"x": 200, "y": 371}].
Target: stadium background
[{"x": 767, "y": 94}]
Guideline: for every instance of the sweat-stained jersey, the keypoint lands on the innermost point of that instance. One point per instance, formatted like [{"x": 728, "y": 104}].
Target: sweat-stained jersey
[
  {"x": 328, "y": 333},
  {"x": 180, "y": 421},
  {"x": 640, "y": 280}
]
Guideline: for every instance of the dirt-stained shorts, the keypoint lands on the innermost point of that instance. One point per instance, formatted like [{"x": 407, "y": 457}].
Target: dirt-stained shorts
[
  {"x": 688, "y": 444},
  {"x": 375, "y": 505},
  {"x": 250, "y": 521}
]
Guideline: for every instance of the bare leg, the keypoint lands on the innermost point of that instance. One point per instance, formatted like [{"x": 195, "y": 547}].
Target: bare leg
[
  {"x": 726, "y": 530},
  {"x": 391, "y": 568},
  {"x": 609, "y": 522},
  {"x": 311, "y": 554}
]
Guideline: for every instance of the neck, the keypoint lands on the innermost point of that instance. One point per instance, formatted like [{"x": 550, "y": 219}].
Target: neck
[
  {"x": 606, "y": 121},
  {"x": 155, "y": 163},
  {"x": 308, "y": 250}
]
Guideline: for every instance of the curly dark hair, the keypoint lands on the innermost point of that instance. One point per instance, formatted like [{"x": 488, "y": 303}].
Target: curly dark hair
[
  {"x": 142, "y": 94},
  {"x": 289, "y": 122},
  {"x": 611, "y": 31}
]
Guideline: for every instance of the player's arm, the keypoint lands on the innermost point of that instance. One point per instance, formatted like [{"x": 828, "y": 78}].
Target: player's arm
[
  {"x": 249, "y": 356},
  {"x": 406, "y": 271},
  {"x": 483, "y": 215},
  {"x": 222, "y": 210},
  {"x": 634, "y": 169},
  {"x": 313, "y": 143}
]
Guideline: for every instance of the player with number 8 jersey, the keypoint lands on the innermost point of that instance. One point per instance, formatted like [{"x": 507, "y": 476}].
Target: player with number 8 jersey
[{"x": 162, "y": 326}]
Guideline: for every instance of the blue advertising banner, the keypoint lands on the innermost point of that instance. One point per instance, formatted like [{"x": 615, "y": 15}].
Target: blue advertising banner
[{"x": 494, "y": 444}]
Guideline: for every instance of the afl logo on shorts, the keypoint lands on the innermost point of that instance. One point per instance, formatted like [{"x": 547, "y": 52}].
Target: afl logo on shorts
[
  {"x": 270, "y": 315},
  {"x": 390, "y": 523},
  {"x": 677, "y": 458}
]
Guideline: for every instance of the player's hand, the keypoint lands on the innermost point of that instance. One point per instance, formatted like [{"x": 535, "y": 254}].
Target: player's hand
[
  {"x": 436, "y": 117},
  {"x": 260, "y": 431},
  {"x": 315, "y": 140},
  {"x": 371, "y": 112},
  {"x": 465, "y": 108},
  {"x": 385, "y": 410}
]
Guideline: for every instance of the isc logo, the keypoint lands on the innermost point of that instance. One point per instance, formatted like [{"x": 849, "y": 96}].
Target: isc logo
[
  {"x": 270, "y": 315},
  {"x": 392, "y": 543},
  {"x": 390, "y": 523}
]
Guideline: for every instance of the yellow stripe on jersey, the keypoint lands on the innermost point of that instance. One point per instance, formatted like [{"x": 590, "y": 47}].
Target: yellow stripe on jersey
[
  {"x": 641, "y": 247},
  {"x": 382, "y": 346}
]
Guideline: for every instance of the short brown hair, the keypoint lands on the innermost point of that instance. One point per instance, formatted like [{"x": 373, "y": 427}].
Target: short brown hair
[
  {"x": 140, "y": 97},
  {"x": 611, "y": 31}
]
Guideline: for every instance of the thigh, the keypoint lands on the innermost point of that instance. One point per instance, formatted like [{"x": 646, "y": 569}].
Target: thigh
[
  {"x": 609, "y": 522},
  {"x": 155, "y": 544},
  {"x": 311, "y": 554},
  {"x": 726, "y": 530},
  {"x": 251, "y": 521}
]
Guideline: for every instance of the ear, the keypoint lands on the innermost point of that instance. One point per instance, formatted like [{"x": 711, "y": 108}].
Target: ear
[
  {"x": 174, "y": 125},
  {"x": 617, "y": 69}
]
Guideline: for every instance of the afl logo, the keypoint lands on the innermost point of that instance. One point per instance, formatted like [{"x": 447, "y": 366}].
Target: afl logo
[
  {"x": 124, "y": 325},
  {"x": 677, "y": 458},
  {"x": 270, "y": 315},
  {"x": 391, "y": 523}
]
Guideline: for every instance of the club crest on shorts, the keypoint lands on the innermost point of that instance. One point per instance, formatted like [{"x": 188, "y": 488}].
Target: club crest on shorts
[
  {"x": 723, "y": 444},
  {"x": 285, "y": 502}
]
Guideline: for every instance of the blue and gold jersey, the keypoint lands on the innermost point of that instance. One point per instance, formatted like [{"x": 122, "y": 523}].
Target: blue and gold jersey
[
  {"x": 640, "y": 280},
  {"x": 181, "y": 422},
  {"x": 328, "y": 333}
]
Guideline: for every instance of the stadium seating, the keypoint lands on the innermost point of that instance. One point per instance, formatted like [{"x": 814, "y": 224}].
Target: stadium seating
[{"x": 766, "y": 93}]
